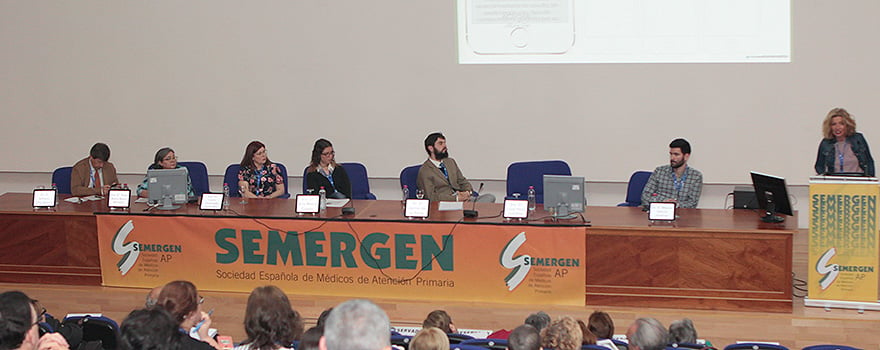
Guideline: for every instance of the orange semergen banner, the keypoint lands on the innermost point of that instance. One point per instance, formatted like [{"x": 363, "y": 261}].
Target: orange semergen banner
[{"x": 419, "y": 260}]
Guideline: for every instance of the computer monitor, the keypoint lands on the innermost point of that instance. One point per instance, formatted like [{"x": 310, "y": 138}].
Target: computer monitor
[
  {"x": 772, "y": 196},
  {"x": 168, "y": 187},
  {"x": 564, "y": 195}
]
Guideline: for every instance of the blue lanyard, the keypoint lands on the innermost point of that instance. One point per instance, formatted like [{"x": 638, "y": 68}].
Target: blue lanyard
[
  {"x": 258, "y": 175},
  {"x": 840, "y": 155},
  {"x": 329, "y": 178},
  {"x": 679, "y": 183}
]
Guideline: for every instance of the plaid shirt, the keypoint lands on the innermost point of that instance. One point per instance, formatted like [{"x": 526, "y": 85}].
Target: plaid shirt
[{"x": 661, "y": 187}]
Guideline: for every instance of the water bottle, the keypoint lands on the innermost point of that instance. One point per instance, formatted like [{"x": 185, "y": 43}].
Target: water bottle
[
  {"x": 405, "y": 193},
  {"x": 322, "y": 198},
  {"x": 55, "y": 188},
  {"x": 124, "y": 186},
  {"x": 225, "y": 196},
  {"x": 533, "y": 199}
]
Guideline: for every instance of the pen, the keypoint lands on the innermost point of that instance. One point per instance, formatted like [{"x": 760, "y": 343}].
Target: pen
[{"x": 199, "y": 325}]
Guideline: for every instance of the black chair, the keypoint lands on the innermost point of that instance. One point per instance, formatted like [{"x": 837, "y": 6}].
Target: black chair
[{"x": 97, "y": 328}]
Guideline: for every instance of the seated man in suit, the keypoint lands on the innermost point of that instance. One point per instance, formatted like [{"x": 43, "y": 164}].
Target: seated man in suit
[
  {"x": 93, "y": 175},
  {"x": 440, "y": 178}
]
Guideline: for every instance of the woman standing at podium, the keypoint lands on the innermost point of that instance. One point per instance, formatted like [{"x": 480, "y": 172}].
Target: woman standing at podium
[
  {"x": 324, "y": 171},
  {"x": 258, "y": 176},
  {"x": 843, "y": 150}
]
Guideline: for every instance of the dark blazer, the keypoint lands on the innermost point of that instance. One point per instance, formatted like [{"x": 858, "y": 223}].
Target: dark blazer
[
  {"x": 436, "y": 186},
  {"x": 315, "y": 180},
  {"x": 825, "y": 158}
]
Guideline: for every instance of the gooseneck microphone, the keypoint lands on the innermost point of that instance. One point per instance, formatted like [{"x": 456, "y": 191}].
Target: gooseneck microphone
[{"x": 473, "y": 212}]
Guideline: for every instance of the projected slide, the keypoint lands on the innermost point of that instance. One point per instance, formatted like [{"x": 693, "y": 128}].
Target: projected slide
[{"x": 623, "y": 31}]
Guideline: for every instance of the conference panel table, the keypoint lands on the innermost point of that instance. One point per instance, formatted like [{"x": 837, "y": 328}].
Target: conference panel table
[{"x": 707, "y": 259}]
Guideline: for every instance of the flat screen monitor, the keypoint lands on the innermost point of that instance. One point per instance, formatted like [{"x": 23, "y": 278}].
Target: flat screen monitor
[
  {"x": 564, "y": 195},
  {"x": 167, "y": 184},
  {"x": 772, "y": 196}
]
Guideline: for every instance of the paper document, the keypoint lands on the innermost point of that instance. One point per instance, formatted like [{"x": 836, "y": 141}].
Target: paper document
[
  {"x": 83, "y": 199},
  {"x": 336, "y": 203},
  {"x": 448, "y": 206}
]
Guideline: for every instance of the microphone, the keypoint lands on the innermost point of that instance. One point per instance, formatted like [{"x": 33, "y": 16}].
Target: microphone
[
  {"x": 348, "y": 210},
  {"x": 473, "y": 212}
]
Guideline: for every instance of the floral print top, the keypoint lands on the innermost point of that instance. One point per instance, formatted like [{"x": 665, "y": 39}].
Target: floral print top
[{"x": 263, "y": 181}]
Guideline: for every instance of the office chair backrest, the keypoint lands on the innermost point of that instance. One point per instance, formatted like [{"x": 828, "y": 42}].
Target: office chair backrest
[
  {"x": 634, "y": 189},
  {"x": 231, "y": 178},
  {"x": 360, "y": 182},
  {"x": 521, "y": 175},
  {"x": 61, "y": 179},
  {"x": 409, "y": 176},
  {"x": 198, "y": 176}
]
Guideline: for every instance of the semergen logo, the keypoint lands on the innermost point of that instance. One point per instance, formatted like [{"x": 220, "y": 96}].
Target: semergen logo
[
  {"x": 129, "y": 251},
  {"x": 829, "y": 272},
  {"x": 519, "y": 264}
]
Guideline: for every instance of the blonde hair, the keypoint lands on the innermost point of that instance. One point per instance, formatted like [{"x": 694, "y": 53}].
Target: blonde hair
[
  {"x": 431, "y": 338},
  {"x": 562, "y": 334},
  {"x": 845, "y": 117}
]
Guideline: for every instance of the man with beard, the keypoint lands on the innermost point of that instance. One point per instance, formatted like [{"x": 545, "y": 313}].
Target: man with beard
[
  {"x": 440, "y": 177},
  {"x": 676, "y": 182}
]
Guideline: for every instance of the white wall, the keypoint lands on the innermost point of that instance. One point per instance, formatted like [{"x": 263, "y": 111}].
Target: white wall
[{"x": 207, "y": 76}]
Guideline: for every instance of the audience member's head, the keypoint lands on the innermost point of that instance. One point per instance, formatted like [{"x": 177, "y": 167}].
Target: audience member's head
[
  {"x": 646, "y": 334},
  {"x": 18, "y": 322},
  {"x": 539, "y": 320},
  {"x": 588, "y": 337},
  {"x": 150, "y": 329},
  {"x": 524, "y": 337},
  {"x": 269, "y": 320},
  {"x": 562, "y": 334},
  {"x": 682, "y": 331},
  {"x": 439, "y": 319},
  {"x": 153, "y": 297},
  {"x": 356, "y": 325},
  {"x": 182, "y": 301},
  {"x": 430, "y": 338},
  {"x": 322, "y": 319},
  {"x": 601, "y": 325},
  {"x": 311, "y": 338}
]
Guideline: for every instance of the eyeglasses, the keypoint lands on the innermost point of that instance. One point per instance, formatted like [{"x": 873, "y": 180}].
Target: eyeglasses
[
  {"x": 169, "y": 158},
  {"x": 329, "y": 153},
  {"x": 201, "y": 300},
  {"x": 39, "y": 308}
]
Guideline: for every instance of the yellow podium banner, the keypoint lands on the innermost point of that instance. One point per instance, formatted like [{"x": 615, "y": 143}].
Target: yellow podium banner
[
  {"x": 418, "y": 260},
  {"x": 843, "y": 241}
]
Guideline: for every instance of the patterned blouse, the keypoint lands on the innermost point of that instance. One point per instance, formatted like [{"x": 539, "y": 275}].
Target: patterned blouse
[{"x": 261, "y": 182}]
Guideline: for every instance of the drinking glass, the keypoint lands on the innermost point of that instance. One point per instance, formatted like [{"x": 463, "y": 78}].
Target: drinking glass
[
  {"x": 242, "y": 190},
  {"x": 420, "y": 193}
]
